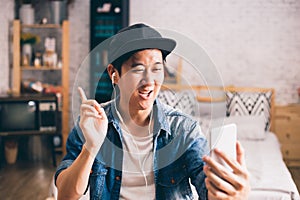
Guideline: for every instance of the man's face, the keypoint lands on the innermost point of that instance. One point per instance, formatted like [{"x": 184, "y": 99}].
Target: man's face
[{"x": 142, "y": 76}]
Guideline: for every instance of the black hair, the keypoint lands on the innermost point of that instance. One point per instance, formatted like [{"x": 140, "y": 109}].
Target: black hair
[{"x": 119, "y": 61}]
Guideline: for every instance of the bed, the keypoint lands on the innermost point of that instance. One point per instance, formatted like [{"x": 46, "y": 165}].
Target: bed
[
  {"x": 252, "y": 109},
  {"x": 270, "y": 178}
]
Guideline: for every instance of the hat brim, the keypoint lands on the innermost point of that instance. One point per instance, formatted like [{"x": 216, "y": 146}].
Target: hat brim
[{"x": 166, "y": 45}]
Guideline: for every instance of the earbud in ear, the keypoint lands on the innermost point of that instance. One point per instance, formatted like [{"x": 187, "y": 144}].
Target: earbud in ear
[{"x": 113, "y": 78}]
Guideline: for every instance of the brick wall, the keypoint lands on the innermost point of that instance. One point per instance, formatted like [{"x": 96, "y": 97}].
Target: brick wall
[
  {"x": 6, "y": 16},
  {"x": 79, "y": 17},
  {"x": 252, "y": 42}
]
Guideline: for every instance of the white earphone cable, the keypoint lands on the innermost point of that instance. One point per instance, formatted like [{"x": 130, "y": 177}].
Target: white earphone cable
[{"x": 142, "y": 165}]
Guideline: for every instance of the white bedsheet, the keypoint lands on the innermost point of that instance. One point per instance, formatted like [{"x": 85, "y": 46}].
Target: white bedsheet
[{"x": 270, "y": 178}]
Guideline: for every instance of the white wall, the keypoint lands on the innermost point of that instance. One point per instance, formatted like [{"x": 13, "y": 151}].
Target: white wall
[
  {"x": 6, "y": 17},
  {"x": 79, "y": 17},
  {"x": 252, "y": 42}
]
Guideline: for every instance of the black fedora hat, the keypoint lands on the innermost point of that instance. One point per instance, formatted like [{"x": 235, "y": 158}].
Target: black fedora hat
[{"x": 137, "y": 37}]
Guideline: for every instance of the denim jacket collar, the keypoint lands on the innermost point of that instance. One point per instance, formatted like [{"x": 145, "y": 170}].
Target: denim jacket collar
[{"x": 158, "y": 112}]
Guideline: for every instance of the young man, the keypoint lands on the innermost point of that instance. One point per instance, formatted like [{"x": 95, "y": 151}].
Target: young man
[{"x": 134, "y": 146}]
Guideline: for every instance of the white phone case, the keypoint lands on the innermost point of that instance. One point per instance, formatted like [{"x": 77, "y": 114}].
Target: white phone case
[{"x": 224, "y": 138}]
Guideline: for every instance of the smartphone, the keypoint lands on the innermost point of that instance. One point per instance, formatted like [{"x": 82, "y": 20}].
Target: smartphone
[{"x": 224, "y": 138}]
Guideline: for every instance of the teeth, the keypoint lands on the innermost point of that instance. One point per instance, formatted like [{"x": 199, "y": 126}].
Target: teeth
[{"x": 145, "y": 93}]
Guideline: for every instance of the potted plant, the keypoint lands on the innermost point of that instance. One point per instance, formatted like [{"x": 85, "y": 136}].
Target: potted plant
[{"x": 27, "y": 40}]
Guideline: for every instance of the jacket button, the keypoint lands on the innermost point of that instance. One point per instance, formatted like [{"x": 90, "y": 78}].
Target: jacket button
[
  {"x": 172, "y": 181},
  {"x": 118, "y": 178}
]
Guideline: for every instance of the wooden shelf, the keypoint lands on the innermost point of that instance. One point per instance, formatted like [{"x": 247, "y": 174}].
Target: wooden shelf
[
  {"x": 31, "y": 132},
  {"x": 41, "y": 26},
  {"x": 18, "y": 70},
  {"x": 58, "y": 149},
  {"x": 39, "y": 68}
]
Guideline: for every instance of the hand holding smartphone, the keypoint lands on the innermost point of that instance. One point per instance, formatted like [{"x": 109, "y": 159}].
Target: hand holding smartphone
[{"x": 224, "y": 138}]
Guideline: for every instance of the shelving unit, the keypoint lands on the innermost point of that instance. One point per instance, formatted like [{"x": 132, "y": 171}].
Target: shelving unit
[
  {"x": 41, "y": 26},
  {"x": 63, "y": 82},
  {"x": 43, "y": 68}
]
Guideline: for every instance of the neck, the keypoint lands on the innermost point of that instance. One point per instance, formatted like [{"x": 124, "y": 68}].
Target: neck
[{"x": 131, "y": 115}]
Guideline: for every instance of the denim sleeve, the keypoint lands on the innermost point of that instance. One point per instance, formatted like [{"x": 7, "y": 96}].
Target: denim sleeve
[
  {"x": 194, "y": 154},
  {"x": 74, "y": 146}
]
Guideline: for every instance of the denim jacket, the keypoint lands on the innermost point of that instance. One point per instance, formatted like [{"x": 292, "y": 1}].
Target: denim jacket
[{"x": 178, "y": 147}]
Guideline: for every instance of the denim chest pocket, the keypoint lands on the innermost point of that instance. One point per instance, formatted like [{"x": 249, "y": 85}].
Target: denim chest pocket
[
  {"x": 173, "y": 183},
  {"x": 97, "y": 180}
]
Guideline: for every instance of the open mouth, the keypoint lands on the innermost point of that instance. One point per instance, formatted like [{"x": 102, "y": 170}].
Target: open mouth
[{"x": 145, "y": 94}]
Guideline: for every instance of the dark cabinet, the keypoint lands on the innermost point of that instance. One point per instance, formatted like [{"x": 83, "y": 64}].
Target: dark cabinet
[{"x": 107, "y": 18}]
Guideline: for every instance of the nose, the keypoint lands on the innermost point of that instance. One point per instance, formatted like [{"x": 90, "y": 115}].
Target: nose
[{"x": 148, "y": 78}]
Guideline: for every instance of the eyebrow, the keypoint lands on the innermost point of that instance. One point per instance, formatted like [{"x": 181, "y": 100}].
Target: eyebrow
[{"x": 138, "y": 63}]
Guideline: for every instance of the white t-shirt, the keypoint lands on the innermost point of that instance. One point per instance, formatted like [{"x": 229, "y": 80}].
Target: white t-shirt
[{"x": 137, "y": 175}]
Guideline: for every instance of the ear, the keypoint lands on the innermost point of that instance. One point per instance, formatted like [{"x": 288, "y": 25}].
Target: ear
[{"x": 113, "y": 74}]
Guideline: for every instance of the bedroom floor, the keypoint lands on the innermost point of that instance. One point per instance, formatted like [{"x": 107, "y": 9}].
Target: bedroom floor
[{"x": 27, "y": 180}]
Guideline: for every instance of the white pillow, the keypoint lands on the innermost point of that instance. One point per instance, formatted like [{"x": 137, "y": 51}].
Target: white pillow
[
  {"x": 212, "y": 109},
  {"x": 249, "y": 127},
  {"x": 185, "y": 100}
]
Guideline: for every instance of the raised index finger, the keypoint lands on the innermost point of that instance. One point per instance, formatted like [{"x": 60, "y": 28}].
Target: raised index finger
[{"x": 82, "y": 94}]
